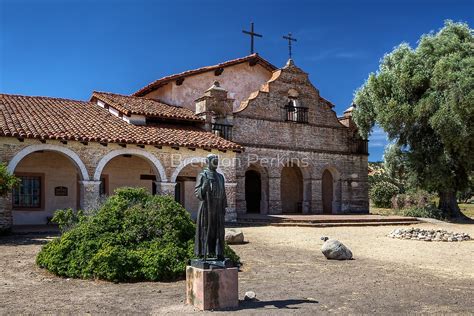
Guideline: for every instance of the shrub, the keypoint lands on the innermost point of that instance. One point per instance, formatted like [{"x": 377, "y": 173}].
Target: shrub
[
  {"x": 382, "y": 192},
  {"x": 7, "y": 180},
  {"x": 133, "y": 236},
  {"x": 418, "y": 198},
  {"x": 427, "y": 211}
]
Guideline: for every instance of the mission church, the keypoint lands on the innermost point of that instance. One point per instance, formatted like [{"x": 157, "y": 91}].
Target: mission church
[{"x": 281, "y": 146}]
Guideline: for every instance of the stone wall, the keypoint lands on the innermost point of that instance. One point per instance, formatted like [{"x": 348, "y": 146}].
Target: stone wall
[
  {"x": 322, "y": 143},
  {"x": 91, "y": 159},
  {"x": 350, "y": 179}
]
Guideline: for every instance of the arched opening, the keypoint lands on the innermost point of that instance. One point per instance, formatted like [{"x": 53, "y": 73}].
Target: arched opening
[
  {"x": 327, "y": 192},
  {"x": 127, "y": 170},
  {"x": 291, "y": 190},
  {"x": 184, "y": 189},
  {"x": 49, "y": 181},
  {"x": 253, "y": 191}
]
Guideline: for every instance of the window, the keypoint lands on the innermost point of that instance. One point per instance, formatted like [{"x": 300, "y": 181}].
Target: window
[
  {"x": 294, "y": 112},
  {"x": 29, "y": 194}
]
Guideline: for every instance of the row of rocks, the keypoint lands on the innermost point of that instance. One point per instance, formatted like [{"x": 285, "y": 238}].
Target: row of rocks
[{"x": 428, "y": 235}]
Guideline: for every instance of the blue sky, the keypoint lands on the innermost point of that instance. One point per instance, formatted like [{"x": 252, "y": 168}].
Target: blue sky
[{"x": 69, "y": 48}]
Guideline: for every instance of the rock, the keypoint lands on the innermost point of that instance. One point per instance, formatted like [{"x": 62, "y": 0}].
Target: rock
[
  {"x": 250, "y": 296},
  {"x": 334, "y": 249},
  {"x": 428, "y": 235},
  {"x": 234, "y": 236}
]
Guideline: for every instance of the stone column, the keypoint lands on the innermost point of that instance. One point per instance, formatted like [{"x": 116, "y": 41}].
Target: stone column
[
  {"x": 165, "y": 188},
  {"x": 240, "y": 203},
  {"x": 274, "y": 203},
  {"x": 6, "y": 216},
  {"x": 307, "y": 196},
  {"x": 231, "y": 213},
  {"x": 89, "y": 194},
  {"x": 316, "y": 196},
  {"x": 346, "y": 195}
]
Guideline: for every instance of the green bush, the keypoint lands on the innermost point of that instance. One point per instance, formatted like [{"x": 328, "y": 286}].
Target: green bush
[
  {"x": 381, "y": 193},
  {"x": 7, "y": 180},
  {"x": 428, "y": 211},
  {"x": 418, "y": 198},
  {"x": 133, "y": 236}
]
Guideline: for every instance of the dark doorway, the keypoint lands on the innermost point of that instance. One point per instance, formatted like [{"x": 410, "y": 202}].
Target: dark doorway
[
  {"x": 291, "y": 190},
  {"x": 327, "y": 192},
  {"x": 253, "y": 191}
]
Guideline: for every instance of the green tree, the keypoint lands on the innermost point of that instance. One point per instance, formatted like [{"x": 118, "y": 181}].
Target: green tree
[
  {"x": 424, "y": 99},
  {"x": 7, "y": 180}
]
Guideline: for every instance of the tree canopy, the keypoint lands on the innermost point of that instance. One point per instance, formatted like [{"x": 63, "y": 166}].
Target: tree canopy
[{"x": 423, "y": 98}]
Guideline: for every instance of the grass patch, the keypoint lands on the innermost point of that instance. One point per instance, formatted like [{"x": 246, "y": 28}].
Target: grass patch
[{"x": 467, "y": 209}]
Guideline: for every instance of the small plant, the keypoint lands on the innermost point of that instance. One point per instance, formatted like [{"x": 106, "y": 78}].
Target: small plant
[
  {"x": 7, "y": 180},
  {"x": 133, "y": 236},
  {"x": 382, "y": 193}
]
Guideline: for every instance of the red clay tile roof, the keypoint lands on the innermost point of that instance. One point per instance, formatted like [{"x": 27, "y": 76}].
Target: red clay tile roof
[
  {"x": 137, "y": 105},
  {"x": 157, "y": 83},
  {"x": 62, "y": 119}
]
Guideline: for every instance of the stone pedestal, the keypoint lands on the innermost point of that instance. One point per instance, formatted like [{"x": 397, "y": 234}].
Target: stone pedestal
[{"x": 212, "y": 289}]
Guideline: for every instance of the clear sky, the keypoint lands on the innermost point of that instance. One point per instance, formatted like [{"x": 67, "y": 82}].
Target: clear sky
[{"x": 70, "y": 48}]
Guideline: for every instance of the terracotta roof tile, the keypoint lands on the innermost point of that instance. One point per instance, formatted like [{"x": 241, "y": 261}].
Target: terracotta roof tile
[
  {"x": 54, "y": 118},
  {"x": 144, "y": 106},
  {"x": 157, "y": 83}
]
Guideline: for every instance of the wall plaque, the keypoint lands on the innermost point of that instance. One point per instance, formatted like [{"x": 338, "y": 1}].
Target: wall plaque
[{"x": 60, "y": 191}]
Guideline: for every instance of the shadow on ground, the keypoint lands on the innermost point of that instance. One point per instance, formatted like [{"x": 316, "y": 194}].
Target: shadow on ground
[
  {"x": 23, "y": 240},
  {"x": 279, "y": 304}
]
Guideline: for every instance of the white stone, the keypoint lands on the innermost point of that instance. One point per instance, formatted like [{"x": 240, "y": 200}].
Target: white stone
[
  {"x": 234, "y": 236},
  {"x": 334, "y": 249},
  {"x": 250, "y": 296}
]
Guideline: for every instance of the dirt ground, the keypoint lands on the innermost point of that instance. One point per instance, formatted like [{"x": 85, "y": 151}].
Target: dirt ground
[{"x": 282, "y": 265}]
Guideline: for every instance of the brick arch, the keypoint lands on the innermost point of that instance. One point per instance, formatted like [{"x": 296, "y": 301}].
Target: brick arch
[
  {"x": 66, "y": 152},
  {"x": 188, "y": 161},
  {"x": 153, "y": 160},
  {"x": 333, "y": 169}
]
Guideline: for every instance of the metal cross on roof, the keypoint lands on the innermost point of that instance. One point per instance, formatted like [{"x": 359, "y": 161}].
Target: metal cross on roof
[
  {"x": 290, "y": 39},
  {"x": 252, "y": 34}
]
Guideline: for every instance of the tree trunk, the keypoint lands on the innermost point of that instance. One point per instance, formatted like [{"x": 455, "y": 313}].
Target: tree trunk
[{"x": 449, "y": 204}]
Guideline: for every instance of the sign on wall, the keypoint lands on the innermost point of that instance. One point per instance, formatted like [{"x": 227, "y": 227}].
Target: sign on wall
[{"x": 60, "y": 191}]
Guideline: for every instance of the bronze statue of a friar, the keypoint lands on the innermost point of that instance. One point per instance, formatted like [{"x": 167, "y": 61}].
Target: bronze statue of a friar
[{"x": 210, "y": 233}]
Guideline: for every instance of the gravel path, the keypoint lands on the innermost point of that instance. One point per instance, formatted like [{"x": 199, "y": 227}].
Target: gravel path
[{"x": 285, "y": 268}]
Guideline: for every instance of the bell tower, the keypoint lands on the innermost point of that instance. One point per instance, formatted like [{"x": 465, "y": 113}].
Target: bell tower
[{"x": 217, "y": 110}]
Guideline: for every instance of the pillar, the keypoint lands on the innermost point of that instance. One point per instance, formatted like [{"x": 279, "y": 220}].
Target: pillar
[
  {"x": 231, "y": 212},
  {"x": 316, "y": 196},
  {"x": 89, "y": 195},
  {"x": 165, "y": 188},
  {"x": 240, "y": 202},
  {"x": 6, "y": 216},
  {"x": 274, "y": 203},
  {"x": 307, "y": 197}
]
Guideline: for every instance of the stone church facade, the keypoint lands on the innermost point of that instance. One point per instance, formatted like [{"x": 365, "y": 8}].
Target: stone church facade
[{"x": 281, "y": 146}]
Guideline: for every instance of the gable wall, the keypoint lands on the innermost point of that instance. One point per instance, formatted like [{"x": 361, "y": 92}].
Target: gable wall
[
  {"x": 262, "y": 121},
  {"x": 239, "y": 80}
]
